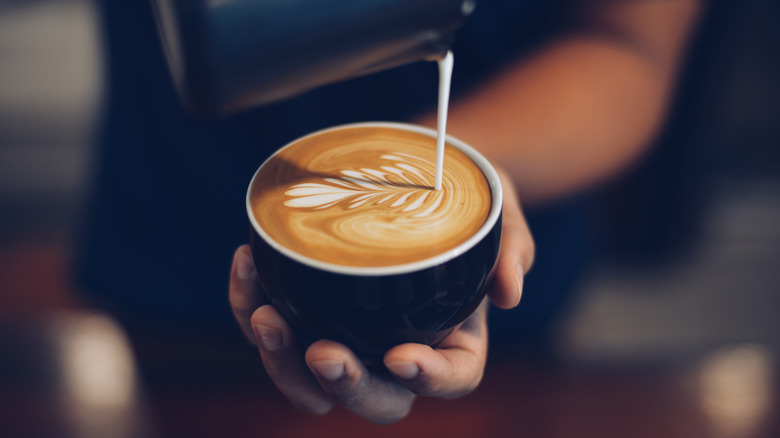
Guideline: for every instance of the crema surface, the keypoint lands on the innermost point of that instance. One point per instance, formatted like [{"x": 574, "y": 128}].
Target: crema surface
[{"x": 363, "y": 196}]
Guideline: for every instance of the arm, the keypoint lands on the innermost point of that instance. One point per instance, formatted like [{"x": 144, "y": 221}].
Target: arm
[
  {"x": 578, "y": 111},
  {"x": 587, "y": 105}
]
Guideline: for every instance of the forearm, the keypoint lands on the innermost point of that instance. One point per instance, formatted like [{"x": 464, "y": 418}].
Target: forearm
[
  {"x": 584, "y": 107},
  {"x": 567, "y": 119}
]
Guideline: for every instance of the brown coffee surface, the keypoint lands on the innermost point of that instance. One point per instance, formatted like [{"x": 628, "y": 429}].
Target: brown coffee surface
[{"x": 364, "y": 197}]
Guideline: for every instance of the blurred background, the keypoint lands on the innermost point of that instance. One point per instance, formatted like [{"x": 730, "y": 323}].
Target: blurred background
[{"x": 675, "y": 332}]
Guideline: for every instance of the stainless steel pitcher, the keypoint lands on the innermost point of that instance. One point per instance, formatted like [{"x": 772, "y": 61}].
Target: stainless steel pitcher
[{"x": 229, "y": 55}]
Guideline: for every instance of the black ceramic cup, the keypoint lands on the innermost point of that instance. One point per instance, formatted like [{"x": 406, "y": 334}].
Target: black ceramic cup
[{"x": 371, "y": 309}]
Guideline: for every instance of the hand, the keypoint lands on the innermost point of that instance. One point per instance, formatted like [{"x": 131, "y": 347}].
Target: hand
[{"x": 328, "y": 372}]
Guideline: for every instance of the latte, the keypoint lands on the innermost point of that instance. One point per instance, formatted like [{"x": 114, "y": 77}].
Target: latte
[{"x": 364, "y": 196}]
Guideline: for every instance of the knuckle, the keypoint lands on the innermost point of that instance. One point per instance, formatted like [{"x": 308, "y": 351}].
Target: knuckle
[
  {"x": 429, "y": 386},
  {"x": 280, "y": 373},
  {"x": 461, "y": 390},
  {"x": 514, "y": 228},
  {"x": 470, "y": 386},
  {"x": 344, "y": 394},
  {"x": 243, "y": 249},
  {"x": 346, "y": 391},
  {"x": 239, "y": 300},
  {"x": 372, "y": 402},
  {"x": 528, "y": 255},
  {"x": 265, "y": 314},
  {"x": 466, "y": 377}
]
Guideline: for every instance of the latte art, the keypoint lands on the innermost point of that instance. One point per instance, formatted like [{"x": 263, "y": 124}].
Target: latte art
[
  {"x": 364, "y": 197},
  {"x": 371, "y": 187}
]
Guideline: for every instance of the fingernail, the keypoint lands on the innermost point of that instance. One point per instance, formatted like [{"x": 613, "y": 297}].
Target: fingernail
[
  {"x": 519, "y": 282},
  {"x": 331, "y": 370},
  {"x": 270, "y": 338},
  {"x": 245, "y": 268},
  {"x": 404, "y": 370}
]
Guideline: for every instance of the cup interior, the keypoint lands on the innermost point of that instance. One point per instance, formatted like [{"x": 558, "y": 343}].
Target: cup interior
[{"x": 487, "y": 170}]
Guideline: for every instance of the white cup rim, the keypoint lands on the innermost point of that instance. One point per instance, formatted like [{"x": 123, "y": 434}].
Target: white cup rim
[{"x": 487, "y": 170}]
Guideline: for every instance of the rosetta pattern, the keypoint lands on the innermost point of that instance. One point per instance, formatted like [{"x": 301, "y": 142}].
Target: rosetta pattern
[{"x": 403, "y": 184}]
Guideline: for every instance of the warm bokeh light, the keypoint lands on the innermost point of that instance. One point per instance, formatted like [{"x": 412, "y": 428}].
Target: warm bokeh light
[
  {"x": 736, "y": 385},
  {"x": 98, "y": 367}
]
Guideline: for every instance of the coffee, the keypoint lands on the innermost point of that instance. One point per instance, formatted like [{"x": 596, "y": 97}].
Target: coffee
[
  {"x": 364, "y": 196},
  {"x": 352, "y": 243}
]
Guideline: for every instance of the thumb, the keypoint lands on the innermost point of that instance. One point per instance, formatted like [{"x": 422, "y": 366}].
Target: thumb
[{"x": 516, "y": 254}]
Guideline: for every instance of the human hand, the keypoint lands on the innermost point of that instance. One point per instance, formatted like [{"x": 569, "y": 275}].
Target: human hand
[{"x": 327, "y": 372}]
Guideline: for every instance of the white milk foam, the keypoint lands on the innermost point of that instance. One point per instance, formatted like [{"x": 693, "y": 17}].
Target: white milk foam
[
  {"x": 358, "y": 187},
  {"x": 445, "y": 77}
]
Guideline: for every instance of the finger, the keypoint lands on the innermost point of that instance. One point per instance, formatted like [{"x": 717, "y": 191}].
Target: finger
[
  {"x": 454, "y": 368},
  {"x": 373, "y": 395},
  {"x": 245, "y": 293},
  {"x": 283, "y": 359},
  {"x": 516, "y": 254}
]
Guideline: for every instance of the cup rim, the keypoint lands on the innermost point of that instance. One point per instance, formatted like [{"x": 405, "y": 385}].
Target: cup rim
[{"x": 487, "y": 170}]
